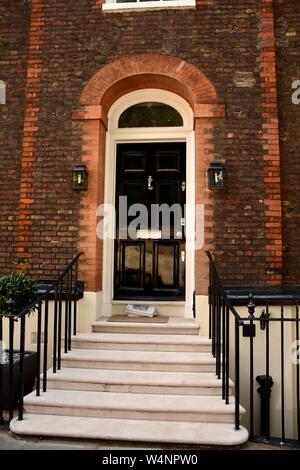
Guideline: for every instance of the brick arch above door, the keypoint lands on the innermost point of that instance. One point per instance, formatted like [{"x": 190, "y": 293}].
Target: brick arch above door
[
  {"x": 134, "y": 72},
  {"x": 198, "y": 87},
  {"x": 129, "y": 73}
]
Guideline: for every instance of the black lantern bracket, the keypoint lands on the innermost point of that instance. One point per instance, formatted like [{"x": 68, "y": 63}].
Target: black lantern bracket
[
  {"x": 216, "y": 174},
  {"x": 79, "y": 177}
]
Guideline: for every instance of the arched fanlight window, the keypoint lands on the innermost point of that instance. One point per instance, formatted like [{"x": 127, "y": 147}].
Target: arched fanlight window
[
  {"x": 150, "y": 114},
  {"x": 2, "y": 92}
]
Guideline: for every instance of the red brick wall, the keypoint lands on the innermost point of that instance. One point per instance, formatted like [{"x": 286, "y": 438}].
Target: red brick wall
[
  {"x": 270, "y": 138},
  {"x": 232, "y": 44},
  {"x": 48, "y": 219},
  {"x": 287, "y": 14},
  {"x": 14, "y": 19}
]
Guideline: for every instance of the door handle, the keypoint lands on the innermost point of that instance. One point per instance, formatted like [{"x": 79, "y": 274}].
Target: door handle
[{"x": 183, "y": 256}]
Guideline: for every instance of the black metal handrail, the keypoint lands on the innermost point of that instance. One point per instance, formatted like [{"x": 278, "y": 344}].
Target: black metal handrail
[
  {"x": 64, "y": 321},
  {"x": 221, "y": 313},
  {"x": 220, "y": 308}
]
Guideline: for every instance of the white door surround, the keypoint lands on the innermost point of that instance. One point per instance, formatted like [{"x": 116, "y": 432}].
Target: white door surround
[{"x": 140, "y": 135}]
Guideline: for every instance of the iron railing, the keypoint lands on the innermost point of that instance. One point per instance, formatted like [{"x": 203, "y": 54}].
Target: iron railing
[
  {"x": 64, "y": 294},
  {"x": 265, "y": 350}
]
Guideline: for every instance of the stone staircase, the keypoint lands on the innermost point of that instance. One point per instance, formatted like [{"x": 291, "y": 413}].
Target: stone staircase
[{"x": 147, "y": 382}]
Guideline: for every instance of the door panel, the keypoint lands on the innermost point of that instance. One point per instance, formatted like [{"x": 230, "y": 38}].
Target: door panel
[
  {"x": 134, "y": 190},
  {"x": 168, "y": 161},
  {"x": 132, "y": 264},
  {"x": 166, "y": 192},
  {"x": 152, "y": 267},
  {"x": 165, "y": 265},
  {"x": 134, "y": 162}
]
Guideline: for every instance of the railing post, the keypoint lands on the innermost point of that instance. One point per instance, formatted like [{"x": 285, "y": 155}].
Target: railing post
[
  {"x": 11, "y": 367},
  {"x": 265, "y": 388},
  {"x": 209, "y": 298},
  {"x": 39, "y": 341},
  {"x": 213, "y": 315},
  {"x": 1, "y": 370},
  {"x": 220, "y": 302},
  {"x": 267, "y": 365},
  {"x": 298, "y": 372},
  {"x": 59, "y": 332},
  {"x": 227, "y": 333},
  {"x": 75, "y": 299},
  {"x": 21, "y": 367},
  {"x": 66, "y": 299},
  {"x": 218, "y": 309},
  {"x": 282, "y": 386},
  {"x": 55, "y": 328},
  {"x": 251, "y": 310},
  {"x": 69, "y": 294},
  {"x": 45, "y": 362},
  {"x": 237, "y": 375},
  {"x": 223, "y": 350}
]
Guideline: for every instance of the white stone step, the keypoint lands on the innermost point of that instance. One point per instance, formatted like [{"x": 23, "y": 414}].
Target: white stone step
[
  {"x": 144, "y": 342},
  {"x": 222, "y": 434},
  {"x": 139, "y": 360},
  {"x": 172, "y": 383},
  {"x": 131, "y": 406},
  {"x": 177, "y": 326}
]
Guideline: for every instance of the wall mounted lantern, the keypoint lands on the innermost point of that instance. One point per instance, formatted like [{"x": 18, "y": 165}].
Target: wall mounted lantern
[
  {"x": 216, "y": 174},
  {"x": 79, "y": 177}
]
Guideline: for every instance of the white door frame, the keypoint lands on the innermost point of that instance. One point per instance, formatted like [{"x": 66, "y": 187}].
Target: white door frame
[{"x": 116, "y": 136}]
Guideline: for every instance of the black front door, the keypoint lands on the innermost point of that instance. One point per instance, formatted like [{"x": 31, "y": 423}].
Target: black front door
[{"x": 150, "y": 250}]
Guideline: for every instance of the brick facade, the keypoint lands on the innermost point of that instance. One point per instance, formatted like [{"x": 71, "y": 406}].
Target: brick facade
[
  {"x": 52, "y": 61},
  {"x": 14, "y": 21},
  {"x": 287, "y": 15}
]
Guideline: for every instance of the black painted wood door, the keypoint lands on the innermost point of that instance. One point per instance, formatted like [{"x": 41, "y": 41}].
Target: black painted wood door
[{"x": 150, "y": 255}]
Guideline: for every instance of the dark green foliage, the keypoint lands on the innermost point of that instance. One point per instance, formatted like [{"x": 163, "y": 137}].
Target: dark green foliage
[{"x": 17, "y": 291}]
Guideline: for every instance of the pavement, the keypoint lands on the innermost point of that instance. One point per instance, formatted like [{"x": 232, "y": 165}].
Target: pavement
[{"x": 9, "y": 441}]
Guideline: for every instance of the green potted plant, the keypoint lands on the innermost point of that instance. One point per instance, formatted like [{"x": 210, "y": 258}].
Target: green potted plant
[{"x": 17, "y": 292}]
